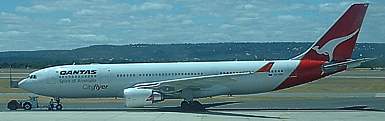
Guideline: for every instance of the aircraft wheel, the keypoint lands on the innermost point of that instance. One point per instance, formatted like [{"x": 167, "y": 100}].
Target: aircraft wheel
[
  {"x": 197, "y": 105},
  {"x": 27, "y": 106},
  {"x": 184, "y": 105},
  {"x": 59, "y": 107},
  {"x": 191, "y": 106}
]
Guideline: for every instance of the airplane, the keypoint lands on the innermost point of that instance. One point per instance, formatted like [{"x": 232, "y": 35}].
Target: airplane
[{"x": 142, "y": 84}]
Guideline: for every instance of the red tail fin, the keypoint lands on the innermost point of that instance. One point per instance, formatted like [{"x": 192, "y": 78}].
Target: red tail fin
[{"x": 338, "y": 42}]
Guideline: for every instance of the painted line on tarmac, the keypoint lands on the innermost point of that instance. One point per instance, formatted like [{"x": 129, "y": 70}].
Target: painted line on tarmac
[
  {"x": 320, "y": 95},
  {"x": 12, "y": 73},
  {"x": 380, "y": 95},
  {"x": 359, "y": 77},
  {"x": 18, "y": 94},
  {"x": 17, "y": 77}
]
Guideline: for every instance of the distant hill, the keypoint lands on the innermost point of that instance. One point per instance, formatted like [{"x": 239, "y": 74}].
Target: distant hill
[{"x": 175, "y": 52}]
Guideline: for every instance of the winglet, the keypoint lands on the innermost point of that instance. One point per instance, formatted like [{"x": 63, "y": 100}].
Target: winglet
[{"x": 266, "y": 68}]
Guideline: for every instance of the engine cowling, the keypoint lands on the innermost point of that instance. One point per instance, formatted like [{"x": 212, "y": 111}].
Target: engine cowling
[{"x": 141, "y": 97}]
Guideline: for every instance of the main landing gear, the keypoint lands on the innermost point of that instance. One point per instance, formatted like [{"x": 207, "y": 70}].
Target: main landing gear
[
  {"x": 55, "y": 104},
  {"x": 191, "y": 106}
]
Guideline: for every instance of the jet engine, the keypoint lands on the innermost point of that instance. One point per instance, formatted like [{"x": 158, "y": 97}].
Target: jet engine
[{"x": 136, "y": 97}]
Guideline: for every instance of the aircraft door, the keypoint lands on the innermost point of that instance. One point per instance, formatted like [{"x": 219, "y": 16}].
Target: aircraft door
[
  {"x": 103, "y": 80},
  {"x": 103, "y": 75}
]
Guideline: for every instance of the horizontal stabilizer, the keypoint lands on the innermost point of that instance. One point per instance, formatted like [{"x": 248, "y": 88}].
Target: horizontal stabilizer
[
  {"x": 349, "y": 63},
  {"x": 266, "y": 68}
]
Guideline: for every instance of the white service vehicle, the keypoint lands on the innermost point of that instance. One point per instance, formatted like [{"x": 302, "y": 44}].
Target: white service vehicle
[{"x": 26, "y": 104}]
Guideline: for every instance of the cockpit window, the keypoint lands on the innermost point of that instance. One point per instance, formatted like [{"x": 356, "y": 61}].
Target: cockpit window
[{"x": 32, "y": 77}]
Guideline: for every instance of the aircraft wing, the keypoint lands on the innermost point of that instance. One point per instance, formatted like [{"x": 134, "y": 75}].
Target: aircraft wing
[
  {"x": 198, "y": 82},
  {"x": 176, "y": 85}
]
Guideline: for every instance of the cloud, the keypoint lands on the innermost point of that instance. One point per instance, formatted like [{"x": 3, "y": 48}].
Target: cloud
[
  {"x": 64, "y": 21},
  {"x": 6, "y": 14},
  {"x": 85, "y": 12},
  {"x": 82, "y": 35},
  {"x": 78, "y": 23},
  {"x": 89, "y": 37},
  {"x": 334, "y": 7},
  {"x": 227, "y": 26},
  {"x": 248, "y": 6},
  {"x": 11, "y": 18},
  {"x": 187, "y": 22},
  {"x": 151, "y": 6},
  {"x": 35, "y": 9},
  {"x": 12, "y": 33},
  {"x": 289, "y": 17}
]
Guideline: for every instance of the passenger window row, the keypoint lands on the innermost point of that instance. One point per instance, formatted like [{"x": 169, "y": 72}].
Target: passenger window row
[
  {"x": 158, "y": 74},
  {"x": 229, "y": 72},
  {"x": 276, "y": 71}
]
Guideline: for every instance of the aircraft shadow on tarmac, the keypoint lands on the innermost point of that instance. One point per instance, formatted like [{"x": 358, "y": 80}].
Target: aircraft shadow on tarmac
[
  {"x": 178, "y": 109},
  {"x": 216, "y": 111},
  {"x": 209, "y": 112}
]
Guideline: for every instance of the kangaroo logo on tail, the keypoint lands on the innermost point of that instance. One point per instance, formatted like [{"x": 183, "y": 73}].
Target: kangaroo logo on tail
[{"x": 329, "y": 47}]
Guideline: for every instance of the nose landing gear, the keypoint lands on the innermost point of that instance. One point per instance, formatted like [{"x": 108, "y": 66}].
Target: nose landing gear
[{"x": 55, "y": 104}]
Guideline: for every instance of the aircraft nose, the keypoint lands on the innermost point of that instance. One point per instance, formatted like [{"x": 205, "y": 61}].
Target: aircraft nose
[{"x": 25, "y": 84}]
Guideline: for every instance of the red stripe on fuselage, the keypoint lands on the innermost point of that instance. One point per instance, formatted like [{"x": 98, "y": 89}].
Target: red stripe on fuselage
[{"x": 306, "y": 71}]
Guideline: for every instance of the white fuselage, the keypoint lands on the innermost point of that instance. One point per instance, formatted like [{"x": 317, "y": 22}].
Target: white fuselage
[{"x": 109, "y": 80}]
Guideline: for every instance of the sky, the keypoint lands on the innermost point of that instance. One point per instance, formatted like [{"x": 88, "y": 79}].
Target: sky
[{"x": 70, "y": 24}]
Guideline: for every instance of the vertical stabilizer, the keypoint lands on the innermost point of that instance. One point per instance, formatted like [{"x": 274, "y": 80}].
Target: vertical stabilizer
[{"x": 338, "y": 42}]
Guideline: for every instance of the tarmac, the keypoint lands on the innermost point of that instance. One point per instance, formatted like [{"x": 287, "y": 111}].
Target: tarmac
[
  {"x": 198, "y": 116},
  {"x": 277, "y": 106}
]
